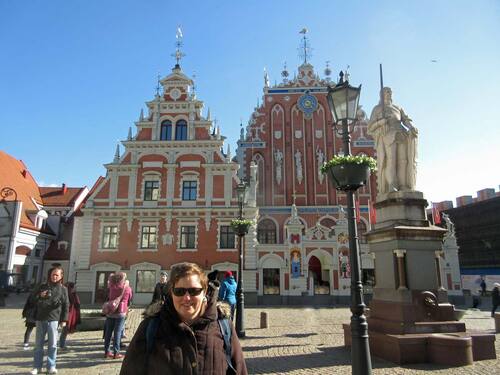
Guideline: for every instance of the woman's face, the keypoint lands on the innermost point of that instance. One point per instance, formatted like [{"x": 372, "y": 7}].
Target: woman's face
[
  {"x": 188, "y": 306},
  {"x": 56, "y": 276}
]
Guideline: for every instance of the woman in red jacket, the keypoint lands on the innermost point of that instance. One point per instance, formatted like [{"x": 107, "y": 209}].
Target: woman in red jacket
[{"x": 118, "y": 288}]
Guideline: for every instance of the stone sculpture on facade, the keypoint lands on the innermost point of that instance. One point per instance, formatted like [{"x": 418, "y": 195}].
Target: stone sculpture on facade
[
  {"x": 298, "y": 166},
  {"x": 278, "y": 160},
  {"x": 396, "y": 144},
  {"x": 320, "y": 158}
]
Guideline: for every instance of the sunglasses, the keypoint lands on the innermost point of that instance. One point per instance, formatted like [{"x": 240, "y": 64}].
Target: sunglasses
[{"x": 181, "y": 292}]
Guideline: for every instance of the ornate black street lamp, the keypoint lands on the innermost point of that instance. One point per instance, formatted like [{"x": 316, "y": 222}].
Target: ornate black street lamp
[
  {"x": 241, "y": 230},
  {"x": 343, "y": 102}
]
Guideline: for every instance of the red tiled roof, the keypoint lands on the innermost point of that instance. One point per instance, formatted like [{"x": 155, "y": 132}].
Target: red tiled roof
[
  {"x": 14, "y": 174},
  {"x": 57, "y": 197}
]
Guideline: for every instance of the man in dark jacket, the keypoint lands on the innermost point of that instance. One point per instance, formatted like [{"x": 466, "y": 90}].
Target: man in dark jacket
[
  {"x": 159, "y": 292},
  {"x": 227, "y": 291},
  {"x": 495, "y": 298},
  {"x": 51, "y": 299}
]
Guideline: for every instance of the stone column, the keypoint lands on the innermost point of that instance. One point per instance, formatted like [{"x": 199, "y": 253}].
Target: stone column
[{"x": 400, "y": 257}]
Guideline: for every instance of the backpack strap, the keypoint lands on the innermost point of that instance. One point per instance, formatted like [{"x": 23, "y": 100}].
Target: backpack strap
[
  {"x": 151, "y": 329},
  {"x": 225, "y": 330}
]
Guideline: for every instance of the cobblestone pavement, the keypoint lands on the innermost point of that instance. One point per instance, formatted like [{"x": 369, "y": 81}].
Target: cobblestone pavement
[{"x": 298, "y": 341}]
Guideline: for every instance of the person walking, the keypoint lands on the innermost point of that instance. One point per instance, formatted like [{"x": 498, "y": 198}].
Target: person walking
[
  {"x": 52, "y": 306},
  {"x": 29, "y": 314},
  {"x": 118, "y": 289},
  {"x": 159, "y": 293},
  {"x": 483, "y": 287},
  {"x": 184, "y": 337},
  {"x": 73, "y": 315},
  {"x": 495, "y": 298},
  {"x": 227, "y": 291}
]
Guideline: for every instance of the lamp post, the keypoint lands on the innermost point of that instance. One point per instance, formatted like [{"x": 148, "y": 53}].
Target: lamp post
[
  {"x": 343, "y": 102},
  {"x": 241, "y": 190}
]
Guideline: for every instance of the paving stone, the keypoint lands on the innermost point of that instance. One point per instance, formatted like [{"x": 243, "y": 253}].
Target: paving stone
[{"x": 299, "y": 340}]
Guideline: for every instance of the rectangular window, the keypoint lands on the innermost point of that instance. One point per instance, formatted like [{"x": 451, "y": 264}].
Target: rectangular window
[
  {"x": 109, "y": 236},
  {"x": 187, "y": 237},
  {"x": 226, "y": 237},
  {"x": 151, "y": 190},
  {"x": 146, "y": 281},
  {"x": 189, "y": 190},
  {"x": 271, "y": 280},
  {"x": 148, "y": 237}
]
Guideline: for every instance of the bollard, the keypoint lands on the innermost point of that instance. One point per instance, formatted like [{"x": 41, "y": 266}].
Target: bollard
[
  {"x": 497, "y": 322},
  {"x": 263, "y": 320}
]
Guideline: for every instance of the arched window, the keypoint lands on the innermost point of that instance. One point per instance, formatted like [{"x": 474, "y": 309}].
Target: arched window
[
  {"x": 166, "y": 130},
  {"x": 181, "y": 130},
  {"x": 266, "y": 232}
]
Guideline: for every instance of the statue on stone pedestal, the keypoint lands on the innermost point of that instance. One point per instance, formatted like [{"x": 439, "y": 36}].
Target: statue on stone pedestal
[
  {"x": 396, "y": 144},
  {"x": 449, "y": 225}
]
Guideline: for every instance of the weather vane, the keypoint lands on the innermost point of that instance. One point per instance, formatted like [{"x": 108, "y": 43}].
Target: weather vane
[
  {"x": 305, "y": 48},
  {"x": 178, "y": 55}
]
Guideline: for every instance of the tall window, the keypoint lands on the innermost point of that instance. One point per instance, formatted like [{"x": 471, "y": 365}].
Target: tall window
[
  {"x": 187, "y": 237},
  {"x": 146, "y": 281},
  {"x": 148, "y": 237},
  {"x": 189, "y": 190},
  {"x": 166, "y": 130},
  {"x": 266, "y": 232},
  {"x": 226, "y": 237},
  {"x": 109, "y": 236},
  {"x": 181, "y": 130},
  {"x": 151, "y": 190},
  {"x": 271, "y": 280}
]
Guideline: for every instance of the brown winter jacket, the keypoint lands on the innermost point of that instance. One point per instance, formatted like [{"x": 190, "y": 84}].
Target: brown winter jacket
[{"x": 182, "y": 349}]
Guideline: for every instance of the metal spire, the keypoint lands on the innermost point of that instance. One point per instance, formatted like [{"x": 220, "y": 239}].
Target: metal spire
[
  {"x": 158, "y": 85},
  {"x": 305, "y": 48},
  {"x": 178, "y": 55},
  {"x": 117, "y": 154},
  {"x": 129, "y": 136}
]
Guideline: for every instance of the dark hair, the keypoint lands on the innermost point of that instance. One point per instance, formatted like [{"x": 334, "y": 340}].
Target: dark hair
[
  {"x": 185, "y": 269},
  {"x": 55, "y": 268}
]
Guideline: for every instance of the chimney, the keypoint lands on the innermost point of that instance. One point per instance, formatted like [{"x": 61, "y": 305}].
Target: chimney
[{"x": 64, "y": 188}]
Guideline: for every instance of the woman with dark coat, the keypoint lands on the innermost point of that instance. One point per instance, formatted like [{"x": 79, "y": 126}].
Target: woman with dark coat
[
  {"x": 495, "y": 298},
  {"x": 73, "y": 315},
  {"x": 188, "y": 339},
  {"x": 29, "y": 314}
]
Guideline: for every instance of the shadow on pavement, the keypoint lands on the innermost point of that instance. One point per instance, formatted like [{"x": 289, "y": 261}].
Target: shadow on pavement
[{"x": 336, "y": 356}]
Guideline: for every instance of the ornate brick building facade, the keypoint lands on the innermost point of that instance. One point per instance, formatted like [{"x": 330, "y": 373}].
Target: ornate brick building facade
[
  {"x": 302, "y": 240},
  {"x": 168, "y": 198}
]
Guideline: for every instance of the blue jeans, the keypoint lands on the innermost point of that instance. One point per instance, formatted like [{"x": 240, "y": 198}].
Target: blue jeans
[
  {"x": 62, "y": 337},
  {"x": 46, "y": 328},
  {"x": 113, "y": 326}
]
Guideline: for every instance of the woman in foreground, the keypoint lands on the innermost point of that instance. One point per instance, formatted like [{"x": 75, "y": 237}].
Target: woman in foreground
[{"x": 185, "y": 336}]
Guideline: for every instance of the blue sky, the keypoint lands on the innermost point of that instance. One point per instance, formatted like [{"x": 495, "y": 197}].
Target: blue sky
[{"x": 74, "y": 75}]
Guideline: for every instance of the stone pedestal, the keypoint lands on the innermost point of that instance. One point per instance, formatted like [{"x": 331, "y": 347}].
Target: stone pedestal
[{"x": 410, "y": 318}]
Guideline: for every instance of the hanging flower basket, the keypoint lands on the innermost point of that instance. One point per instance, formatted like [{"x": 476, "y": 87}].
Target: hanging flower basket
[
  {"x": 241, "y": 226},
  {"x": 349, "y": 172}
]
